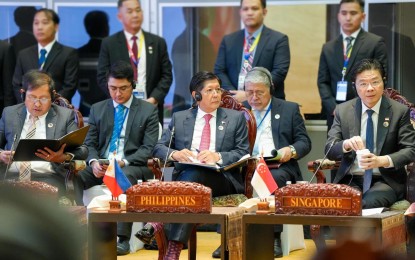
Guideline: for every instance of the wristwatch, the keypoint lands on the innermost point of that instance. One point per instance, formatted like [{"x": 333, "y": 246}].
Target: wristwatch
[{"x": 293, "y": 151}]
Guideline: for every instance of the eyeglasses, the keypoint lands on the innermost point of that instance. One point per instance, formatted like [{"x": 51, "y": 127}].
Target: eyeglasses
[
  {"x": 210, "y": 91},
  {"x": 121, "y": 89},
  {"x": 251, "y": 93},
  {"x": 375, "y": 83},
  {"x": 43, "y": 100}
]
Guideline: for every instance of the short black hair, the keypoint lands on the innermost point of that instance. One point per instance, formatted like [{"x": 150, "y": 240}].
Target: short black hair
[
  {"x": 23, "y": 16},
  {"x": 120, "y": 2},
  {"x": 196, "y": 83},
  {"x": 360, "y": 2},
  {"x": 263, "y": 3},
  {"x": 96, "y": 23},
  {"x": 121, "y": 70},
  {"x": 368, "y": 64},
  {"x": 52, "y": 15},
  {"x": 34, "y": 79}
]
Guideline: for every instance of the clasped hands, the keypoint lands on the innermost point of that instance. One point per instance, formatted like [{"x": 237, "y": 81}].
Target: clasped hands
[
  {"x": 205, "y": 156},
  {"x": 368, "y": 161}
]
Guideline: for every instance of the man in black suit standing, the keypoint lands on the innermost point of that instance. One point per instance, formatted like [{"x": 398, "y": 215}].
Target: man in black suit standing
[
  {"x": 125, "y": 125},
  {"x": 340, "y": 54},
  {"x": 256, "y": 45},
  {"x": 146, "y": 52},
  {"x": 60, "y": 61}
]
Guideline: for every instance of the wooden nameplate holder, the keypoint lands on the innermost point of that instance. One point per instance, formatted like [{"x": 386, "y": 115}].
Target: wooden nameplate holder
[
  {"x": 169, "y": 197},
  {"x": 318, "y": 199}
]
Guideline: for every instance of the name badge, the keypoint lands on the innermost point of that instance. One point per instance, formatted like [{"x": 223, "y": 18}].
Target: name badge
[
  {"x": 341, "y": 91},
  {"x": 241, "y": 81},
  {"x": 138, "y": 92}
]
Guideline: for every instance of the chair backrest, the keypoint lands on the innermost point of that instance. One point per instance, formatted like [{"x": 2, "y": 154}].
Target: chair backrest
[
  {"x": 63, "y": 102},
  {"x": 393, "y": 94}
]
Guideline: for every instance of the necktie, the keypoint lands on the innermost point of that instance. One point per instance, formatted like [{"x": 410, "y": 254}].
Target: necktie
[
  {"x": 369, "y": 145},
  {"x": 349, "y": 45},
  {"x": 116, "y": 131},
  {"x": 42, "y": 58},
  {"x": 205, "y": 141},
  {"x": 24, "y": 167},
  {"x": 135, "y": 53},
  {"x": 249, "y": 55}
]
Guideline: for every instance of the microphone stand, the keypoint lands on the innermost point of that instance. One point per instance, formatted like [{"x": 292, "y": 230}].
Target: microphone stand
[
  {"x": 167, "y": 154},
  {"x": 11, "y": 157},
  {"x": 321, "y": 163}
]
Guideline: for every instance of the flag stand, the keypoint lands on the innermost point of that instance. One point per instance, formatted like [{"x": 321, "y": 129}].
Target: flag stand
[
  {"x": 263, "y": 207},
  {"x": 115, "y": 205}
]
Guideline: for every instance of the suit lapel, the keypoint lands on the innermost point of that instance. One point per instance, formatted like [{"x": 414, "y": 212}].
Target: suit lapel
[
  {"x": 54, "y": 52},
  {"x": 134, "y": 108},
  {"x": 239, "y": 48},
  {"x": 223, "y": 121},
  {"x": 109, "y": 121},
  {"x": 276, "y": 109},
  {"x": 188, "y": 127},
  {"x": 355, "y": 50},
  {"x": 122, "y": 46},
  {"x": 21, "y": 114},
  {"x": 51, "y": 120},
  {"x": 384, "y": 113},
  {"x": 149, "y": 61},
  {"x": 264, "y": 38},
  {"x": 33, "y": 60},
  {"x": 355, "y": 115},
  {"x": 338, "y": 52}
]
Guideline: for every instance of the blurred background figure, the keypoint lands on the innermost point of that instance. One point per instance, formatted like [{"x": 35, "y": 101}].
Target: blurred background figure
[
  {"x": 97, "y": 26},
  {"x": 7, "y": 62}
]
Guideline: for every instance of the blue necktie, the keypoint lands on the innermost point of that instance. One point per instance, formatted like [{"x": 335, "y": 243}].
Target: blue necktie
[
  {"x": 369, "y": 145},
  {"x": 116, "y": 131},
  {"x": 42, "y": 58}
]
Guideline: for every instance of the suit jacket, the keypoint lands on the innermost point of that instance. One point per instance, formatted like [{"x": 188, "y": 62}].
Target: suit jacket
[
  {"x": 158, "y": 66},
  {"x": 288, "y": 129},
  {"x": 231, "y": 142},
  {"x": 397, "y": 139},
  {"x": 61, "y": 119},
  {"x": 62, "y": 63},
  {"x": 7, "y": 61},
  {"x": 141, "y": 131},
  {"x": 367, "y": 45},
  {"x": 272, "y": 53}
]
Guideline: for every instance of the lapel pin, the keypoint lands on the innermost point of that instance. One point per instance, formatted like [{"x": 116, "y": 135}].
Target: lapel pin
[
  {"x": 386, "y": 123},
  {"x": 277, "y": 116},
  {"x": 220, "y": 128},
  {"x": 50, "y": 125},
  {"x": 223, "y": 122},
  {"x": 150, "y": 49}
]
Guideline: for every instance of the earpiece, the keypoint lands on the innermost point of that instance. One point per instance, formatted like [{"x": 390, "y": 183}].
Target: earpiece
[{"x": 198, "y": 96}]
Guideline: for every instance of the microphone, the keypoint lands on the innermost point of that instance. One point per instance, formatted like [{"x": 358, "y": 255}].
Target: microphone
[
  {"x": 167, "y": 154},
  {"x": 11, "y": 157},
  {"x": 276, "y": 156},
  {"x": 22, "y": 94},
  {"x": 321, "y": 163}
]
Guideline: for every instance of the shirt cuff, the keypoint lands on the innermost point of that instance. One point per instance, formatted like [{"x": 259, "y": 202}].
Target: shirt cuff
[
  {"x": 126, "y": 163},
  {"x": 171, "y": 156},
  {"x": 91, "y": 161},
  {"x": 220, "y": 159},
  {"x": 391, "y": 165}
]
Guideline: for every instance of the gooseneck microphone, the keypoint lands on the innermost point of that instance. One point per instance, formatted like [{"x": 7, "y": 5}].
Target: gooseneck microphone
[
  {"x": 167, "y": 154},
  {"x": 276, "y": 156},
  {"x": 11, "y": 157},
  {"x": 321, "y": 163}
]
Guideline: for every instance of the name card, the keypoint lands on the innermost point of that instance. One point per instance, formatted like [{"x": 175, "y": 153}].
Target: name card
[
  {"x": 169, "y": 197},
  {"x": 318, "y": 199}
]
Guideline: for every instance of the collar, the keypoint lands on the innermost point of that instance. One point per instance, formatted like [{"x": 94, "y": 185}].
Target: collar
[
  {"x": 375, "y": 108},
  {"x": 129, "y": 35},
  {"x": 201, "y": 113},
  {"x": 40, "y": 117},
  {"x": 354, "y": 35},
  {"x": 256, "y": 33},
  {"x": 266, "y": 108},
  {"x": 48, "y": 47},
  {"x": 126, "y": 104}
]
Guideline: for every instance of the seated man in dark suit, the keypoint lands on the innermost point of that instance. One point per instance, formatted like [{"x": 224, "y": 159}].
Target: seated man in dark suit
[
  {"x": 375, "y": 122},
  {"x": 38, "y": 118},
  {"x": 280, "y": 126},
  {"x": 124, "y": 127},
  {"x": 210, "y": 134}
]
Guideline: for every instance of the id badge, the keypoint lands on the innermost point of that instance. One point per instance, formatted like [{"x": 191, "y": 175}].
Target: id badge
[
  {"x": 341, "y": 91},
  {"x": 138, "y": 92},
  {"x": 241, "y": 81}
]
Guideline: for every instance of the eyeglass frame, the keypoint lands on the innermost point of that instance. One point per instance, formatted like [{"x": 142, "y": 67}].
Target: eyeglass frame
[
  {"x": 42, "y": 100},
  {"x": 259, "y": 95},
  {"x": 374, "y": 84},
  {"x": 210, "y": 91}
]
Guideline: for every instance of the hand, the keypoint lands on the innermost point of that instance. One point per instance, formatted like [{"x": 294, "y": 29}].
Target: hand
[
  {"x": 355, "y": 143},
  {"x": 286, "y": 154},
  {"x": 183, "y": 155},
  {"x": 98, "y": 170},
  {"x": 152, "y": 101},
  {"x": 207, "y": 156},
  {"x": 48, "y": 155},
  {"x": 239, "y": 95},
  {"x": 121, "y": 163},
  {"x": 5, "y": 156},
  {"x": 370, "y": 161}
]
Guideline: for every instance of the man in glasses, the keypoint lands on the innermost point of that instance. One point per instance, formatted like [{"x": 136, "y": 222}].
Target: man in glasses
[
  {"x": 209, "y": 134},
  {"x": 123, "y": 127},
  {"x": 38, "y": 118},
  {"x": 280, "y": 127}
]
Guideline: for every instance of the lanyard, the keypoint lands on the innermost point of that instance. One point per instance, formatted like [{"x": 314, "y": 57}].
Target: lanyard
[
  {"x": 262, "y": 120},
  {"x": 346, "y": 62},
  {"x": 136, "y": 60},
  {"x": 247, "y": 52}
]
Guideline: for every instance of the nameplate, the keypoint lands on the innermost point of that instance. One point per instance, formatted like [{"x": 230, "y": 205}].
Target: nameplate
[
  {"x": 318, "y": 199},
  {"x": 169, "y": 197}
]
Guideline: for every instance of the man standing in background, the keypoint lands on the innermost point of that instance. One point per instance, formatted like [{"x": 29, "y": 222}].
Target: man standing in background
[
  {"x": 256, "y": 45},
  {"x": 146, "y": 52}
]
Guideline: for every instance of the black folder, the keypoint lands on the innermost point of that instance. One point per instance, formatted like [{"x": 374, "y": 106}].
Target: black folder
[{"x": 26, "y": 148}]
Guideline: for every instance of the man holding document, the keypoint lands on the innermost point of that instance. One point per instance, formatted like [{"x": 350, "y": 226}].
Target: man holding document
[
  {"x": 221, "y": 137},
  {"x": 37, "y": 118}
]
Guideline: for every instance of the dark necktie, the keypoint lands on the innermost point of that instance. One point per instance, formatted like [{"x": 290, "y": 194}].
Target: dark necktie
[
  {"x": 205, "y": 140},
  {"x": 349, "y": 45},
  {"x": 369, "y": 145},
  {"x": 116, "y": 131},
  {"x": 42, "y": 58}
]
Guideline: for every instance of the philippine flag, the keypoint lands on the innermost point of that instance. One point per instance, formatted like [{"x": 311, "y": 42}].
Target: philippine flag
[
  {"x": 115, "y": 179},
  {"x": 262, "y": 181}
]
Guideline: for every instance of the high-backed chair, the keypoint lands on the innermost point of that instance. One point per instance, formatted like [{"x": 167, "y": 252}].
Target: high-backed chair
[
  {"x": 317, "y": 166},
  {"x": 228, "y": 101}
]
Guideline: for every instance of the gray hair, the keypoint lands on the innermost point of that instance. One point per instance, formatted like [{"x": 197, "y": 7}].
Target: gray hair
[{"x": 259, "y": 75}]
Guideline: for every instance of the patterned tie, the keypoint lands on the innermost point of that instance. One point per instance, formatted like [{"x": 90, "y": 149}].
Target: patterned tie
[
  {"x": 205, "y": 141},
  {"x": 349, "y": 45},
  {"x": 248, "y": 59},
  {"x": 135, "y": 53},
  {"x": 42, "y": 58},
  {"x": 369, "y": 145},
  {"x": 24, "y": 167},
  {"x": 116, "y": 131}
]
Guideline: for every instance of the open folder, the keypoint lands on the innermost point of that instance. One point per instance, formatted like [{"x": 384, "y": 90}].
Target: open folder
[
  {"x": 217, "y": 167},
  {"x": 26, "y": 148}
]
